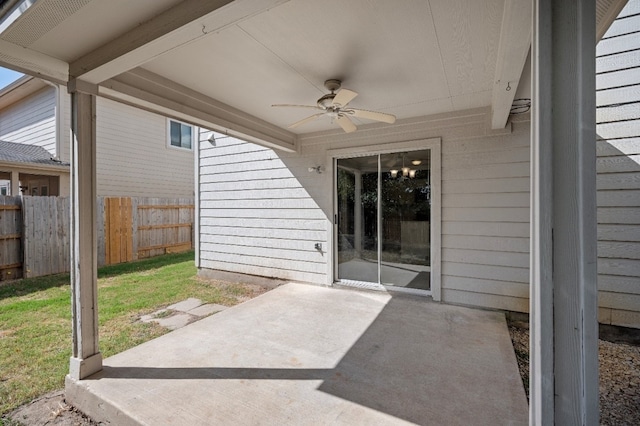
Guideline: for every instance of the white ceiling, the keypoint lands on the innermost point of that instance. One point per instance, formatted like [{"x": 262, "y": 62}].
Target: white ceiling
[{"x": 410, "y": 58}]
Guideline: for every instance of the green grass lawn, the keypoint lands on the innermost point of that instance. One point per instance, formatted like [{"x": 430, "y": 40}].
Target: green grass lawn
[{"x": 35, "y": 318}]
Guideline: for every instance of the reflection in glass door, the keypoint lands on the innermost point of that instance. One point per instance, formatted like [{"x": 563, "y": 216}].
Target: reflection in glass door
[
  {"x": 357, "y": 183},
  {"x": 384, "y": 213}
]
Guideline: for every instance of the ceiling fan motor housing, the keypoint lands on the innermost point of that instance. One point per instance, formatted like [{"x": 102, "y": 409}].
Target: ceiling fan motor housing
[
  {"x": 326, "y": 102},
  {"x": 332, "y": 84}
]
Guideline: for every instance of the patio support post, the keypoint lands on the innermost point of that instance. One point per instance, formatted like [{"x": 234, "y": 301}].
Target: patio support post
[
  {"x": 15, "y": 183},
  {"x": 86, "y": 358},
  {"x": 564, "y": 322},
  {"x": 357, "y": 213}
]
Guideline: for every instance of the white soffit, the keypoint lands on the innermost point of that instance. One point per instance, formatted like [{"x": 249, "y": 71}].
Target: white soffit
[{"x": 68, "y": 29}]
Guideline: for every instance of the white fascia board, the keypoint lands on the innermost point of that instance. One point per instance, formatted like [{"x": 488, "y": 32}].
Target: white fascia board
[
  {"x": 515, "y": 41},
  {"x": 189, "y": 20},
  {"x": 33, "y": 63}
]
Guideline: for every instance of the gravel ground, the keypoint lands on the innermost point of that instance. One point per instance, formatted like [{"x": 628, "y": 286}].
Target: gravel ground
[{"x": 619, "y": 376}]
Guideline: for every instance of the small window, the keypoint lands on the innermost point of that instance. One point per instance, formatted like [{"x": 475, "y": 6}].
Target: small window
[{"x": 180, "y": 134}]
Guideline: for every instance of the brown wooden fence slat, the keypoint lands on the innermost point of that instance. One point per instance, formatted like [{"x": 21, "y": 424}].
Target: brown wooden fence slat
[
  {"x": 171, "y": 225},
  {"x": 118, "y": 230},
  {"x": 164, "y": 226},
  {"x": 168, "y": 206},
  {"x": 10, "y": 238}
]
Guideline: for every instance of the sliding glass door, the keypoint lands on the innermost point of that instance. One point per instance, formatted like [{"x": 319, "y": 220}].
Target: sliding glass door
[
  {"x": 383, "y": 219},
  {"x": 357, "y": 188}
]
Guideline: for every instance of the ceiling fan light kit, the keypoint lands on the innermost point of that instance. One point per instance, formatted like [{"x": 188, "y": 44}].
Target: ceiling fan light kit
[{"x": 334, "y": 106}]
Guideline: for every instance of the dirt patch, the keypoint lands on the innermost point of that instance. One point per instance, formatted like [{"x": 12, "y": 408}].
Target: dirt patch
[
  {"x": 5, "y": 333},
  {"x": 50, "y": 409}
]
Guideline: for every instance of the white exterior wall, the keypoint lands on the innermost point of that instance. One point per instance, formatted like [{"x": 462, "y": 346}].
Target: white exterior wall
[
  {"x": 618, "y": 166},
  {"x": 262, "y": 211},
  {"x": 31, "y": 120},
  {"x": 133, "y": 158},
  {"x": 485, "y": 229}
]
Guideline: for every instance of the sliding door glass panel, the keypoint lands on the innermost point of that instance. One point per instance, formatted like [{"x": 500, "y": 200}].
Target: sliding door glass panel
[
  {"x": 406, "y": 216},
  {"x": 357, "y": 193}
]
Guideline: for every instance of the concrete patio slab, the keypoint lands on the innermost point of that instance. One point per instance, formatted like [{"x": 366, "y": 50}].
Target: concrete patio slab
[{"x": 302, "y": 354}]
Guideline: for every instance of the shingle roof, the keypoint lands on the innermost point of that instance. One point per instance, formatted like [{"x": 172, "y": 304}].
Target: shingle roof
[{"x": 22, "y": 153}]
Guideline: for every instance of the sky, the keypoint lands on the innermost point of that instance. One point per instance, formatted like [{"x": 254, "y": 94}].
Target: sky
[{"x": 8, "y": 76}]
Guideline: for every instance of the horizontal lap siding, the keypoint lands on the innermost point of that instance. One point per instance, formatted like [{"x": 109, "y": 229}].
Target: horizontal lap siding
[
  {"x": 133, "y": 158},
  {"x": 618, "y": 166},
  {"x": 485, "y": 213},
  {"x": 31, "y": 121},
  {"x": 256, "y": 217}
]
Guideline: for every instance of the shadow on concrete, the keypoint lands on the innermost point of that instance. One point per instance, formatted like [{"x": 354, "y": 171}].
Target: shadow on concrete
[
  {"x": 417, "y": 361},
  {"x": 216, "y": 373}
]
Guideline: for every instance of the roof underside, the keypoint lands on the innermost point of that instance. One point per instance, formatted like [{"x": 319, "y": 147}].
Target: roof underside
[{"x": 225, "y": 65}]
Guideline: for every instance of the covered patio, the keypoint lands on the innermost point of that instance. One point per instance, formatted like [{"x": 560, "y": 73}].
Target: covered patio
[
  {"x": 221, "y": 64},
  {"x": 303, "y": 354}
]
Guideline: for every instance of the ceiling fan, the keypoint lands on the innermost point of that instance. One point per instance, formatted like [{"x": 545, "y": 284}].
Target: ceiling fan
[{"x": 334, "y": 105}]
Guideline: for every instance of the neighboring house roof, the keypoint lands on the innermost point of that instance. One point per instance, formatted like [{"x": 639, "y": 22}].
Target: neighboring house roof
[{"x": 11, "y": 152}]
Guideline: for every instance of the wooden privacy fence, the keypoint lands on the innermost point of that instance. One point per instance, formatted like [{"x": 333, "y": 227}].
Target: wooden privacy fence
[
  {"x": 10, "y": 238},
  {"x": 45, "y": 238},
  {"x": 135, "y": 228},
  {"x": 35, "y": 232}
]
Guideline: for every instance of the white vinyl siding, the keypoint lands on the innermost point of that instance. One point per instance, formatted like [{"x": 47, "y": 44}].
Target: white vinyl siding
[
  {"x": 133, "y": 158},
  {"x": 485, "y": 227},
  {"x": 618, "y": 167},
  {"x": 262, "y": 211},
  {"x": 256, "y": 217},
  {"x": 31, "y": 121}
]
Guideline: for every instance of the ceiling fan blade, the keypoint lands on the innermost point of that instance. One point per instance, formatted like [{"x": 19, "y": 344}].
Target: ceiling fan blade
[
  {"x": 295, "y": 106},
  {"x": 346, "y": 124},
  {"x": 372, "y": 115},
  {"x": 343, "y": 97},
  {"x": 306, "y": 120}
]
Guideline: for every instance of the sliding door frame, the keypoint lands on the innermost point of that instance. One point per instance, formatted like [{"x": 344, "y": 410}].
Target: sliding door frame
[{"x": 433, "y": 144}]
